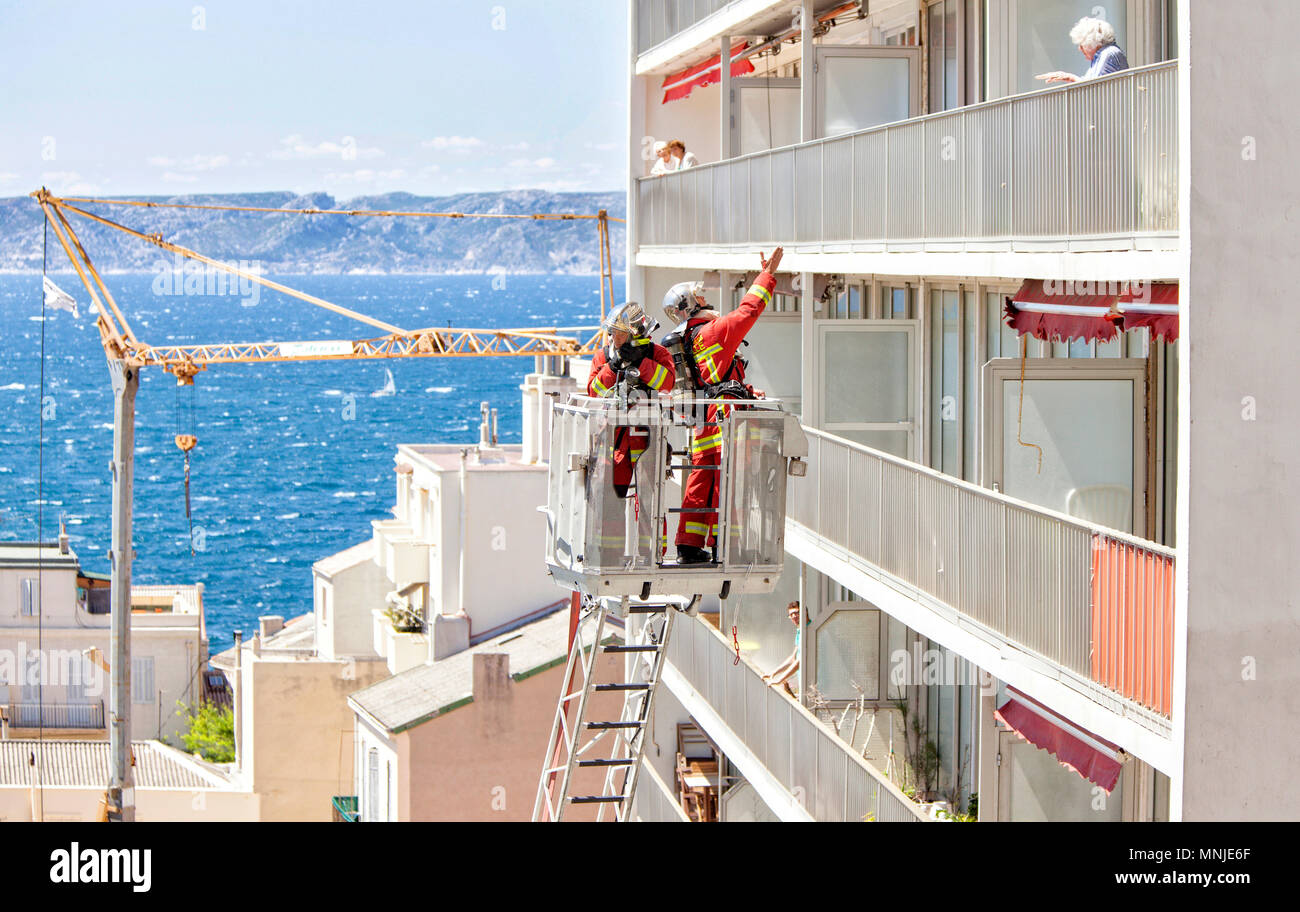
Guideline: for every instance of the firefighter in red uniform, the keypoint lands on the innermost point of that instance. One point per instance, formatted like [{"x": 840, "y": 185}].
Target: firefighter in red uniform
[
  {"x": 630, "y": 354},
  {"x": 709, "y": 343}
]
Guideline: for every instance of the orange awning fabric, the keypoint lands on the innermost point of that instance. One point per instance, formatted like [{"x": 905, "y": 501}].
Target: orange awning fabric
[
  {"x": 1093, "y": 758},
  {"x": 1059, "y": 311}
]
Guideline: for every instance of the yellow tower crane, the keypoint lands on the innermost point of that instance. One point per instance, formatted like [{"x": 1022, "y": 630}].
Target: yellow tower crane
[{"x": 127, "y": 355}]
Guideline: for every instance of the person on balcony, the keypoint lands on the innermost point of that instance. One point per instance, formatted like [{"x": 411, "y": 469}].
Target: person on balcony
[
  {"x": 632, "y": 357},
  {"x": 786, "y": 670},
  {"x": 666, "y": 164},
  {"x": 683, "y": 158},
  {"x": 708, "y": 344},
  {"x": 1096, "y": 41}
]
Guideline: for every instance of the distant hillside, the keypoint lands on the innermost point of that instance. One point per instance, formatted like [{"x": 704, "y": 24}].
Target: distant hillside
[{"x": 335, "y": 244}]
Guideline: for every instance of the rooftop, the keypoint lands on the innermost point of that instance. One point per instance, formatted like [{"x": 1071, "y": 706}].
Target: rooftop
[
  {"x": 30, "y": 555},
  {"x": 85, "y": 764},
  {"x": 422, "y": 693},
  {"x": 337, "y": 563},
  {"x": 445, "y": 457}
]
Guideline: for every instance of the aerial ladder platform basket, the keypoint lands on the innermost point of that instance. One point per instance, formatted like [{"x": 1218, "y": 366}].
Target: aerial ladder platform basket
[{"x": 608, "y": 540}]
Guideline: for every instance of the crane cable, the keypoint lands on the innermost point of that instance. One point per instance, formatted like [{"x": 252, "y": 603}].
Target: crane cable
[{"x": 38, "y": 771}]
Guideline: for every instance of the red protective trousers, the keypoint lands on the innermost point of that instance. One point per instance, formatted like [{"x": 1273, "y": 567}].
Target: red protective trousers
[{"x": 713, "y": 345}]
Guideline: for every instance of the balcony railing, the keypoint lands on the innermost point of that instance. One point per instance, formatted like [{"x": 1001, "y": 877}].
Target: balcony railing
[
  {"x": 654, "y": 802},
  {"x": 804, "y": 756},
  {"x": 1095, "y": 161},
  {"x": 1089, "y": 599},
  {"x": 659, "y": 20},
  {"x": 345, "y": 809},
  {"x": 56, "y": 715}
]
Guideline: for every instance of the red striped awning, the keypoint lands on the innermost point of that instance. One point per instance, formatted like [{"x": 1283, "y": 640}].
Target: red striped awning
[
  {"x": 1059, "y": 311},
  {"x": 1093, "y": 758},
  {"x": 680, "y": 85}
]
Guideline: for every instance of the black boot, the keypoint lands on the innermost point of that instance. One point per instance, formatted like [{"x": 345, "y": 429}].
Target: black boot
[{"x": 689, "y": 554}]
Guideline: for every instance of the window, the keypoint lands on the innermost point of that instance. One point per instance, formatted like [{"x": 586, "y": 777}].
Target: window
[
  {"x": 142, "y": 689},
  {"x": 954, "y": 368},
  {"x": 1042, "y": 36},
  {"x": 867, "y": 383},
  {"x": 31, "y": 597},
  {"x": 945, "y": 36},
  {"x": 372, "y": 785},
  {"x": 324, "y": 602}
]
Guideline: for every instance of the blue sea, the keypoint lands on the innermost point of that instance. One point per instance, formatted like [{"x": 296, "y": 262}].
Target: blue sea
[{"x": 294, "y": 460}]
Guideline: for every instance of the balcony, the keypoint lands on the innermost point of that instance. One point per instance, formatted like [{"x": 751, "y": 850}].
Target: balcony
[
  {"x": 1085, "y": 606},
  {"x": 803, "y": 763},
  {"x": 401, "y": 552},
  {"x": 68, "y": 716},
  {"x": 1086, "y": 167}
]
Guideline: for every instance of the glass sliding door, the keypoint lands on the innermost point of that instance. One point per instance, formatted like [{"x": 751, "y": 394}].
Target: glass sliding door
[
  {"x": 1041, "y": 30},
  {"x": 863, "y": 87},
  {"x": 1076, "y": 444},
  {"x": 766, "y": 114}
]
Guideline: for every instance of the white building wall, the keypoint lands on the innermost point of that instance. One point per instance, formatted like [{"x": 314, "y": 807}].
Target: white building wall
[{"x": 1238, "y": 526}]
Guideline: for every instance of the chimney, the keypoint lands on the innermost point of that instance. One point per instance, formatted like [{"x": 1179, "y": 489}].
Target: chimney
[
  {"x": 270, "y": 624},
  {"x": 492, "y": 691},
  {"x": 63, "y": 537},
  {"x": 494, "y": 427},
  {"x": 484, "y": 428}
]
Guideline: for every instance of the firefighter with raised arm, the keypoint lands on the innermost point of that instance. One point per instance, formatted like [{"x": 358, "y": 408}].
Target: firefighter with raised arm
[
  {"x": 705, "y": 344},
  {"x": 630, "y": 357}
]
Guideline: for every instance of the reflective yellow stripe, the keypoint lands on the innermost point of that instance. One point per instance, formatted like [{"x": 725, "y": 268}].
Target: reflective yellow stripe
[
  {"x": 762, "y": 294},
  {"x": 694, "y": 528},
  {"x": 658, "y": 377},
  {"x": 601, "y": 389},
  {"x": 704, "y": 444}
]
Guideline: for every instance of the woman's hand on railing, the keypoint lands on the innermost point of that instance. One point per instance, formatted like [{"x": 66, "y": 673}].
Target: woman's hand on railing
[{"x": 1057, "y": 76}]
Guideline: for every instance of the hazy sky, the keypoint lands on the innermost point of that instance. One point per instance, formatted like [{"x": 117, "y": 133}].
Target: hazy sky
[{"x": 430, "y": 96}]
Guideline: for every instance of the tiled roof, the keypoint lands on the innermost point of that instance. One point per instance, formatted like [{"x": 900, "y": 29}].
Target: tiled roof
[
  {"x": 404, "y": 700},
  {"x": 85, "y": 764}
]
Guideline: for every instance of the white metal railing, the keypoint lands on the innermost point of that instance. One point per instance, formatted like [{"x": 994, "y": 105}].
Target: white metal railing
[
  {"x": 56, "y": 715},
  {"x": 654, "y": 802},
  {"x": 659, "y": 20},
  {"x": 1097, "y": 159},
  {"x": 805, "y": 756},
  {"x": 1090, "y": 599}
]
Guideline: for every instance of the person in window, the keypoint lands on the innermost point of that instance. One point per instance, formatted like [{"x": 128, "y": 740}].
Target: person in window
[
  {"x": 666, "y": 164},
  {"x": 683, "y": 158},
  {"x": 1096, "y": 41},
  {"x": 786, "y": 670}
]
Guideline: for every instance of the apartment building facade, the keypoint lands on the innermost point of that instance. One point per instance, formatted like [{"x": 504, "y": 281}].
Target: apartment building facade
[
  {"x": 1008, "y": 592},
  {"x": 54, "y": 648}
]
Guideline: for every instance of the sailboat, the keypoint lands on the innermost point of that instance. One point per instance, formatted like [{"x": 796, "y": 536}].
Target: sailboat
[{"x": 390, "y": 388}]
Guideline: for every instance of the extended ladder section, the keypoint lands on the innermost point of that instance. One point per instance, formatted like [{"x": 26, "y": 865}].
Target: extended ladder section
[{"x": 593, "y": 756}]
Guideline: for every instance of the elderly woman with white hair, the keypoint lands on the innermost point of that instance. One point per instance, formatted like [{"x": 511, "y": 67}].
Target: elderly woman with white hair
[{"x": 1096, "y": 41}]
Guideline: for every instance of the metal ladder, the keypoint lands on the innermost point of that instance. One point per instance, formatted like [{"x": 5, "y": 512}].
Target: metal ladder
[{"x": 623, "y": 739}]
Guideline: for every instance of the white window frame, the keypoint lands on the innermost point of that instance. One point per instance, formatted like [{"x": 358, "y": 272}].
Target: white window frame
[
  {"x": 912, "y": 426},
  {"x": 910, "y": 53},
  {"x": 142, "y": 673},
  {"x": 1003, "y": 370},
  {"x": 29, "y": 595}
]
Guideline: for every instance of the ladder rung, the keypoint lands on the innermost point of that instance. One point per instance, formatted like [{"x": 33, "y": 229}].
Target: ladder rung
[
  {"x": 631, "y": 648},
  {"x": 597, "y": 799},
  {"x": 692, "y": 510},
  {"x": 646, "y": 609},
  {"x": 603, "y": 725},
  {"x": 694, "y": 468},
  {"x": 622, "y": 686},
  {"x": 606, "y": 762}
]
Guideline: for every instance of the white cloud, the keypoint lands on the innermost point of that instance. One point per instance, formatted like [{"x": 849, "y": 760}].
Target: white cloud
[
  {"x": 536, "y": 164},
  {"x": 453, "y": 143},
  {"x": 295, "y": 148},
  {"x": 366, "y": 175},
  {"x": 603, "y": 147},
  {"x": 68, "y": 183},
  {"x": 516, "y": 147},
  {"x": 192, "y": 163},
  {"x": 7, "y": 177},
  {"x": 171, "y": 177}
]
